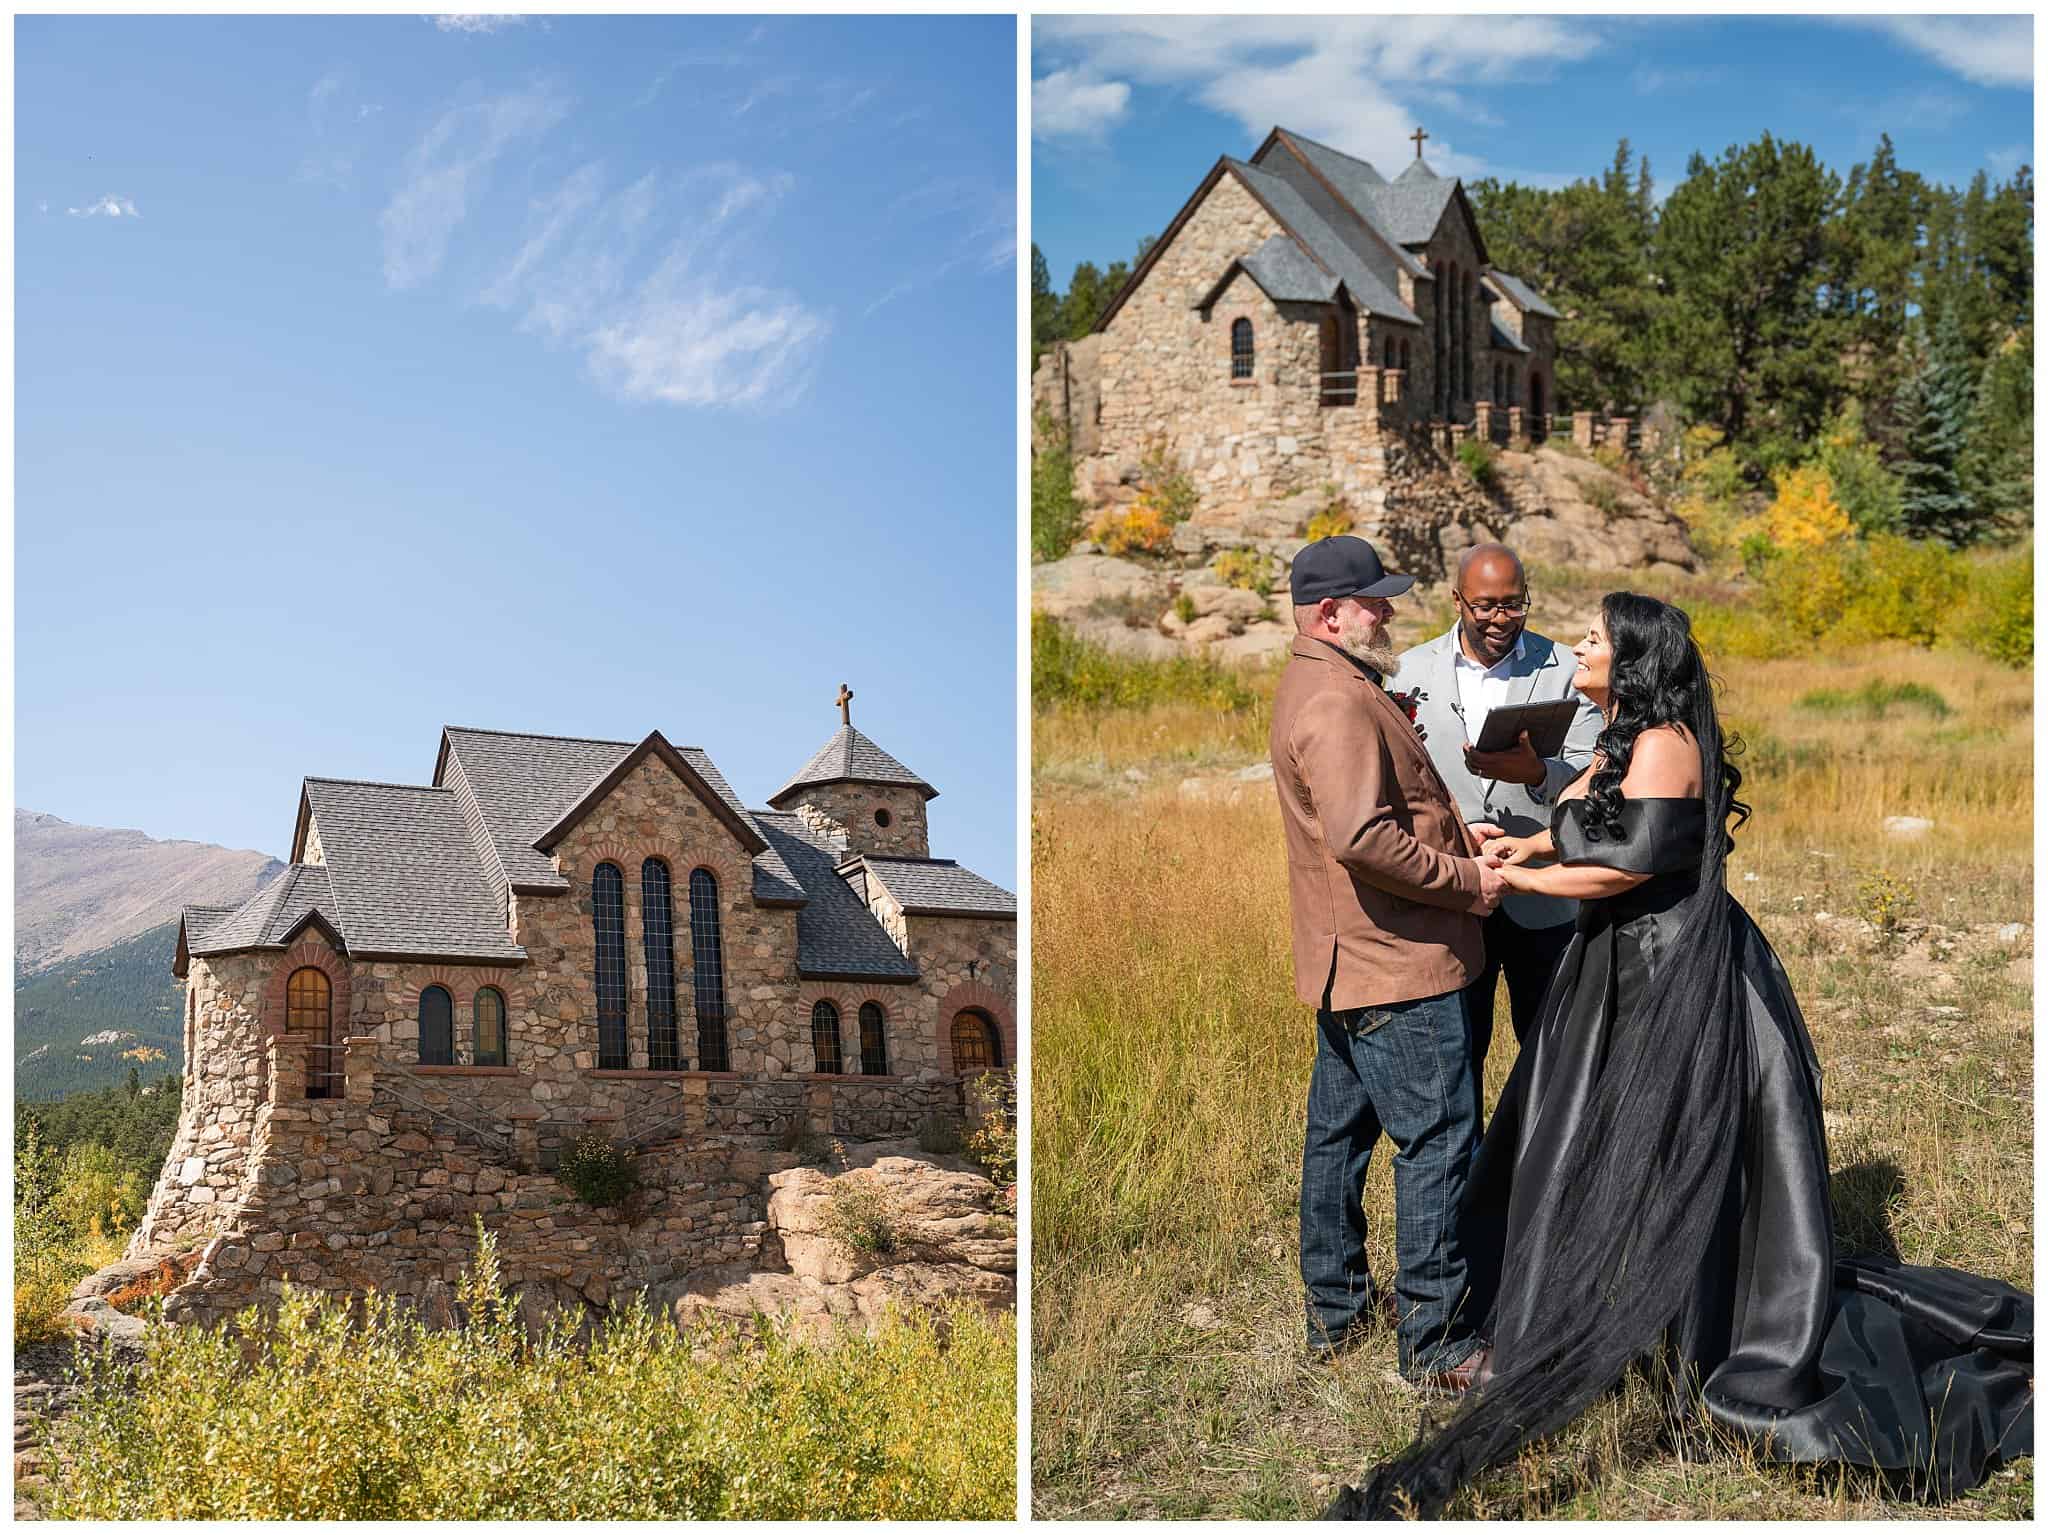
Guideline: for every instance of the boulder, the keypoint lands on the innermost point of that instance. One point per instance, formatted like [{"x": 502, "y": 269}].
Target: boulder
[{"x": 1080, "y": 585}]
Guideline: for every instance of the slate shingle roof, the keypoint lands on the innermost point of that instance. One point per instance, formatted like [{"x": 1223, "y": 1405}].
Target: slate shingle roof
[
  {"x": 836, "y": 934},
  {"x": 1520, "y": 294},
  {"x": 267, "y": 918},
  {"x": 1342, "y": 255},
  {"x": 850, "y": 757},
  {"x": 407, "y": 877},
  {"x": 1411, "y": 206},
  {"x": 1504, "y": 341},
  {"x": 939, "y": 887},
  {"x": 1355, "y": 181},
  {"x": 522, "y": 784},
  {"x": 1286, "y": 274}
]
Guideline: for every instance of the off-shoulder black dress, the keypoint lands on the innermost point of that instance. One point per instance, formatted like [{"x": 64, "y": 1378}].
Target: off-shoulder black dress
[{"x": 1924, "y": 1372}]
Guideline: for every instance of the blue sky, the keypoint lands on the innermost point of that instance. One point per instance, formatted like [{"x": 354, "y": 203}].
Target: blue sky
[
  {"x": 586, "y": 376},
  {"x": 1128, "y": 113}
]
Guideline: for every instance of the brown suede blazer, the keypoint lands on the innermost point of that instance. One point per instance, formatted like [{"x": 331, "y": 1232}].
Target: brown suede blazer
[{"x": 1380, "y": 870}]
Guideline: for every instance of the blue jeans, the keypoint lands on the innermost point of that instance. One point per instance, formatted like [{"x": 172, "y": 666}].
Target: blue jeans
[{"x": 1405, "y": 1068}]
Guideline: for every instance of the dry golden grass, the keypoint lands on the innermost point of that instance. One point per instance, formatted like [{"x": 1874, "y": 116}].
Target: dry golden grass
[{"x": 1171, "y": 1064}]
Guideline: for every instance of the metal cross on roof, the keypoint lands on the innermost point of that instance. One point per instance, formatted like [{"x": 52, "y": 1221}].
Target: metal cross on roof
[
  {"x": 845, "y": 702},
  {"x": 1418, "y": 135}
]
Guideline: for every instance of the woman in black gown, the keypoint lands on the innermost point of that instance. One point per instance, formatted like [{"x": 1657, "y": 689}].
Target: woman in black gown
[{"x": 1654, "y": 1182}]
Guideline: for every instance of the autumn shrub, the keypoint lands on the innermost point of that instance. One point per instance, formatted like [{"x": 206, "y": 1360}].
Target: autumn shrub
[
  {"x": 1334, "y": 519},
  {"x": 1164, "y": 485},
  {"x": 322, "y": 1419},
  {"x": 992, "y": 1138},
  {"x": 1900, "y": 589},
  {"x": 1804, "y": 513},
  {"x": 1139, "y": 529},
  {"x": 1995, "y": 616},
  {"x": 1246, "y": 569},
  {"x": 1067, "y": 669},
  {"x": 859, "y": 1215},
  {"x": 47, "y": 1263}
]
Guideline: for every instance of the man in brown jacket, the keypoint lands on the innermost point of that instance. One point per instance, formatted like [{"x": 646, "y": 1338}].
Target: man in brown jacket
[{"x": 1388, "y": 898}]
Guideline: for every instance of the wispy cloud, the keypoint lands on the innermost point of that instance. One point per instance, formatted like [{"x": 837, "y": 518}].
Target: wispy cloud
[
  {"x": 1985, "y": 50},
  {"x": 340, "y": 123},
  {"x": 1660, "y": 82},
  {"x": 1068, "y": 104},
  {"x": 474, "y": 24},
  {"x": 110, "y": 206},
  {"x": 693, "y": 324},
  {"x": 953, "y": 223},
  {"x": 2003, "y": 162},
  {"x": 447, "y": 169},
  {"x": 1356, "y": 82}
]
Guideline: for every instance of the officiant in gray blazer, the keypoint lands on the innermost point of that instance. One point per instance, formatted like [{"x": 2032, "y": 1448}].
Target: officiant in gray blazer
[{"x": 1486, "y": 660}]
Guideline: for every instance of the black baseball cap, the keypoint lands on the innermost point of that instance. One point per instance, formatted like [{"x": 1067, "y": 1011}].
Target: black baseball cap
[{"x": 1344, "y": 566}]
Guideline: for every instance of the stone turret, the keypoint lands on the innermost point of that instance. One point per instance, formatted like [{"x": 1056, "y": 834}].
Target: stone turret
[{"x": 853, "y": 790}]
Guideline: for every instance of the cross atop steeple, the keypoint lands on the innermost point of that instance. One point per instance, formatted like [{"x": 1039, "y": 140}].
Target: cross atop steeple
[
  {"x": 845, "y": 702},
  {"x": 1418, "y": 135}
]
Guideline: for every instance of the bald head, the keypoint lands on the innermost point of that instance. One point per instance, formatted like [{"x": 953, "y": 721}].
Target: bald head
[{"x": 1492, "y": 559}]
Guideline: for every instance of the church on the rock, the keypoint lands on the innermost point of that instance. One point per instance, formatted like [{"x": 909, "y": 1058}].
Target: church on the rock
[
  {"x": 1305, "y": 320},
  {"x": 552, "y": 937}
]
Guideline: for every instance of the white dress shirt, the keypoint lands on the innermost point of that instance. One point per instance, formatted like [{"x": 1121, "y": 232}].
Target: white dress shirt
[{"x": 1481, "y": 689}]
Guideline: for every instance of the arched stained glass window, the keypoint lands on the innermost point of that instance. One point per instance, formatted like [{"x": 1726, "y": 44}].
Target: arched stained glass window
[
  {"x": 309, "y": 1009},
  {"x": 977, "y": 1043},
  {"x": 437, "y": 1027},
  {"x": 608, "y": 918},
  {"x": 658, "y": 935},
  {"x": 488, "y": 1014},
  {"x": 708, "y": 969},
  {"x": 825, "y": 1036},
  {"x": 874, "y": 1046},
  {"x": 1240, "y": 348}
]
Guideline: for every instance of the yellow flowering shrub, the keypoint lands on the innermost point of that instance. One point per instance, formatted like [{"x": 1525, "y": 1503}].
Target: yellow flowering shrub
[{"x": 1143, "y": 529}]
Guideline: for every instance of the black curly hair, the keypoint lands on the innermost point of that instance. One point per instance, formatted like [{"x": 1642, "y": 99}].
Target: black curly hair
[{"x": 1657, "y": 677}]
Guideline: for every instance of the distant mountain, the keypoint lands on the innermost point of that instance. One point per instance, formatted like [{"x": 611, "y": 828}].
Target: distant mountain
[
  {"x": 84, "y": 1022},
  {"x": 81, "y": 889}
]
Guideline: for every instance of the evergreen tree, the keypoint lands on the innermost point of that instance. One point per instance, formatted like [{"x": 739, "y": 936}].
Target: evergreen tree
[
  {"x": 1878, "y": 252},
  {"x": 1085, "y": 296},
  {"x": 1935, "y": 410},
  {"x": 1746, "y": 345},
  {"x": 1045, "y": 306},
  {"x": 1997, "y": 466}
]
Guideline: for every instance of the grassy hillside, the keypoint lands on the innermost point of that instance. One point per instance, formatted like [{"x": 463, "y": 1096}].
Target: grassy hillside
[
  {"x": 83, "y": 1023},
  {"x": 1170, "y": 1069}
]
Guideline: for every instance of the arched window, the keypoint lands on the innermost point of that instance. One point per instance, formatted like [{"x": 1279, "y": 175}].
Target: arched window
[
  {"x": 1499, "y": 383},
  {"x": 658, "y": 937},
  {"x": 487, "y": 1012},
  {"x": 1404, "y": 356},
  {"x": 709, "y": 970},
  {"x": 608, "y": 918},
  {"x": 977, "y": 1043},
  {"x": 1240, "y": 348},
  {"x": 437, "y": 1027},
  {"x": 874, "y": 1047},
  {"x": 825, "y": 1036},
  {"x": 309, "y": 1009}
]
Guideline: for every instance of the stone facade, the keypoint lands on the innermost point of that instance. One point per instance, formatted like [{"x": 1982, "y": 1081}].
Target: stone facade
[
  {"x": 1338, "y": 394},
  {"x": 378, "y": 1183}
]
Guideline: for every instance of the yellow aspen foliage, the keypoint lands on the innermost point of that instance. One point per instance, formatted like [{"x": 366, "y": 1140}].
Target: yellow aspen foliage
[{"x": 1804, "y": 514}]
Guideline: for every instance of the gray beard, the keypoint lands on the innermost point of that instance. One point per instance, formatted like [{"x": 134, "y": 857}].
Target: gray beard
[{"x": 1378, "y": 652}]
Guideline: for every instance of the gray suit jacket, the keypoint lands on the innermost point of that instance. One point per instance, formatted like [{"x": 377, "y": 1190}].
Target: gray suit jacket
[{"x": 1543, "y": 672}]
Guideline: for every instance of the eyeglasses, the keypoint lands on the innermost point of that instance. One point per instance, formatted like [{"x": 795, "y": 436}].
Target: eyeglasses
[{"x": 1513, "y": 607}]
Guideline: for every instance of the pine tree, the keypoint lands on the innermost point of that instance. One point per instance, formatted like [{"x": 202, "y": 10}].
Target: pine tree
[
  {"x": 1045, "y": 306},
  {"x": 1997, "y": 466},
  {"x": 1935, "y": 409}
]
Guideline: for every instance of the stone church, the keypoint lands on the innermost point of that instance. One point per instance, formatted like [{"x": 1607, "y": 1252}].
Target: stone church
[
  {"x": 1302, "y": 321},
  {"x": 554, "y": 937}
]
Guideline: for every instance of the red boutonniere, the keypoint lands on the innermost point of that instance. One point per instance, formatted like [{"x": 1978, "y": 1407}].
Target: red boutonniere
[{"x": 1410, "y": 703}]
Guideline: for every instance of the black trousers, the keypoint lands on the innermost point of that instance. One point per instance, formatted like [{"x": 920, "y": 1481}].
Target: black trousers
[{"x": 1528, "y": 956}]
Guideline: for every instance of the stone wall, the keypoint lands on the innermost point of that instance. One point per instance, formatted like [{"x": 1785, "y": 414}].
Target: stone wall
[{"x": 873, "y": 818}]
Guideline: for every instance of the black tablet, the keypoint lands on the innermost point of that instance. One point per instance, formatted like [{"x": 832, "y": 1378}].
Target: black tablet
[{"x": 1548, "y": 723}]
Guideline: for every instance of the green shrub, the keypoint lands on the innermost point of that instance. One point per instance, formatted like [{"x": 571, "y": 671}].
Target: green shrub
[
  {"x": 1066, "y": 669},
  {"x": 382, "y": 1420},
  {"x": 46, "y": 1262},
  {"x": 1995, "y": 617},
  {"x": 804, "y": 1143},
  {"x": 1477, "y": 460},
  {"x": 1601, "y": 494},
  {"x": 600, "y": 1173},
  {"x": 1874, "y": 700},
  {"x": 1900, "y": 589},
  {"x": 1184, "y": 608},
  {"x": 1055, "y": 514},
  {"x": 95, "y": 1194},
  {"x": 1165, "y": 486},
  {"x": 938, "y": 1134},
  {"x": 992, "y": 1142},
  {"x": 860, "y": 1216}
]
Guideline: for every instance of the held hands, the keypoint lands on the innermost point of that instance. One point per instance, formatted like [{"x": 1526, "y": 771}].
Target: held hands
[
  {"x": 1518, "y": 764},
  {"x": 1505, "y": 856}
]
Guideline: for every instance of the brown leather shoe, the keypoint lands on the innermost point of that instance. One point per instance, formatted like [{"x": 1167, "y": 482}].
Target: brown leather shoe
[{"x": 1460, "y": 1378}]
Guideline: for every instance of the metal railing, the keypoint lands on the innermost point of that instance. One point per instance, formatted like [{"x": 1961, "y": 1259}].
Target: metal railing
[
  {"x": 1340, "y": 388},
  {"x": 489, "y": 1138}
]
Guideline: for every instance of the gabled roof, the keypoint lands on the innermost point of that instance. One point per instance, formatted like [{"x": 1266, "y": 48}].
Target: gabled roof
[
  {"x": 1348, "y": 180},
  {"x": 837, "y": 937},
  {"x": 727, "y": 809},
  {"x": 1520, "y": 294},
  {"x": 939, "y": 887},
  {"x": 1503, "y": 340},
  {"x": 1284, "y": 273},
  {"x": 1412, "y": 206},
  {"x": 1343, "y": 257},
  {"x": 850, "y": 757},
  {"x": 405, "y": 875}
]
